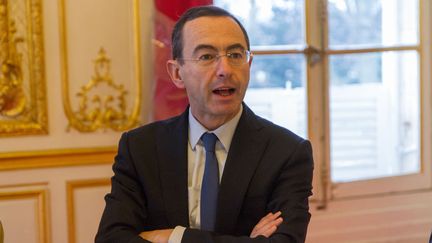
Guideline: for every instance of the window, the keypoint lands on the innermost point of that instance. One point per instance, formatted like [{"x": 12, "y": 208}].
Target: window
[
  {"x": 277, "y": 89},
  {"x": 374, "y": 88},
  {"x": 346, "y": 74}
]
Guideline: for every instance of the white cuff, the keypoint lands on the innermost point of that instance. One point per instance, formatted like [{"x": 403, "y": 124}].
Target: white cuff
[{"x": 177, "y": 234}]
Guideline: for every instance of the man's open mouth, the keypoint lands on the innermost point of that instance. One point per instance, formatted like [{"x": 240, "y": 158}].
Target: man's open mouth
[{"x": 224, "y": 91}]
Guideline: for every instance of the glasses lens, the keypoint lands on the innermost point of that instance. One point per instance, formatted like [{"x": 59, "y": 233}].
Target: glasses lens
[
  {"x": 234, "y": 58},
  {"x": 238, "y": 58}
]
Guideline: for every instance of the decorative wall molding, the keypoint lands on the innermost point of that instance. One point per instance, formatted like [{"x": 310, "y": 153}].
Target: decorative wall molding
[
  {"x": 22, "y": 79},
  {"x": 98, "y": 110},
  {"x": 41, "y": 212},
  {"x": 103, "y": 110},
  {"x": 56, "y": 158},
  {"x": 71, "y": 186}
]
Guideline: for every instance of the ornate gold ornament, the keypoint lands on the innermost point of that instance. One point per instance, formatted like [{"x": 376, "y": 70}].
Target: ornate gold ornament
[
  {"x": 12, "y": 97},
  {"x": 22, "y": 84},
  {"x": 101, "y": 109},
  {"x": 102, "y": 103}
]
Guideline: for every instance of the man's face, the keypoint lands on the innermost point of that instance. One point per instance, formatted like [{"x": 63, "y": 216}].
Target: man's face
[{"x": 215, "y": 91}]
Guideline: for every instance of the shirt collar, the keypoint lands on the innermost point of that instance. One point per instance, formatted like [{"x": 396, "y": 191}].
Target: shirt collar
[{"x": 224, "y": 132}]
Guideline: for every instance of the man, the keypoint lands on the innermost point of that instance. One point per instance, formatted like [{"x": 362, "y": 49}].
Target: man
[{"x": 163, "y": 187}]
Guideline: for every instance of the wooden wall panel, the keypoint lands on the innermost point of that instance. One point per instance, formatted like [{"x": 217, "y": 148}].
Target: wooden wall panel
[
  {"x": 85, "y": 199},
  {"x": 24, "y": 214},
  {"x": 53, "y": 181}
]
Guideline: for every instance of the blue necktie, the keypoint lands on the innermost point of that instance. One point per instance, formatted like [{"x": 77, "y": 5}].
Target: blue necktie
[{"x": 210, "y": 184}]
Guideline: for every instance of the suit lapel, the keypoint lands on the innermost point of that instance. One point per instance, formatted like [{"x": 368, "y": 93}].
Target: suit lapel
[
  {"x": 172, "y": 154},
  {"x": 243, "y": 157}
]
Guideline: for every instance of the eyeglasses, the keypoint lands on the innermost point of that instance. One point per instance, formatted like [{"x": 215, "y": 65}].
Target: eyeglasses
[{"x": 235, "y": 58}]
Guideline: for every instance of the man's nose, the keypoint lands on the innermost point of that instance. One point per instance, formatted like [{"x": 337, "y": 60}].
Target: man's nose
[{"x": 223, "y": 66}]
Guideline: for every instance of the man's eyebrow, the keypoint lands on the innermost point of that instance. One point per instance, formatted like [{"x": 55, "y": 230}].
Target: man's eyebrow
[
  {"x": 235, "y": 46},
  {"x": 213, "y": 48}
]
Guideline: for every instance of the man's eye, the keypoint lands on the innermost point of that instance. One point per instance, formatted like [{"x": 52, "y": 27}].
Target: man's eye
[
  {"x": 206, "y": 57},
  {"x": 235, "y": 55}
]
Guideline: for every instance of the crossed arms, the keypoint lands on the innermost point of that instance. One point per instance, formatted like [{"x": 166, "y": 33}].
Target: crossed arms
[
  {"x": 136, "y": 209},
  {"x": 265, "y": 227}
]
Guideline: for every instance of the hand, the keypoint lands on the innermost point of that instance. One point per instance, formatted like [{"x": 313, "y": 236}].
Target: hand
[
  {"x": 267, "y": 225},
  {"x": 157, "y": 236}
]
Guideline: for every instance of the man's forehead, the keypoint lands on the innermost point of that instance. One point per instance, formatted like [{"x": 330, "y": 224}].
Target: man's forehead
[
  {"x": 208, "y": 24},
  {"x": 213, "y": 30},
  {"x": 201, "y": 19}
]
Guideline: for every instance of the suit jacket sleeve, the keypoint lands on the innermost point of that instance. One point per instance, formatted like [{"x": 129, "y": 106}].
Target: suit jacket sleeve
[
  {"x": 292, "y": 188},
  {"x": 125, "y": 211}
]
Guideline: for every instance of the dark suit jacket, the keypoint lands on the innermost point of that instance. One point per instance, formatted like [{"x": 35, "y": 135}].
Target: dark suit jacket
[{"x": 268, "y": 169}]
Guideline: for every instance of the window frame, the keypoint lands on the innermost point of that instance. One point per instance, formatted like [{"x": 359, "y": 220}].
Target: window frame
[
  {"x": 317, "y": 54},
  {"x": 392, "y": 184}
]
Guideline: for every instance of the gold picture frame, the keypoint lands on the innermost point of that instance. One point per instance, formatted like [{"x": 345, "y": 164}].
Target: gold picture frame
[{"x": 23, "y": 107}]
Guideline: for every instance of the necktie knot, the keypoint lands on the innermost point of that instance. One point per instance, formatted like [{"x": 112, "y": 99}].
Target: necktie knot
[{"x": 209, "y": 140}]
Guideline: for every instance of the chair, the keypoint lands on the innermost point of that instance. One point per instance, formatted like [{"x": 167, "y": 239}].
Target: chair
[{"x": 1, "y": 232}]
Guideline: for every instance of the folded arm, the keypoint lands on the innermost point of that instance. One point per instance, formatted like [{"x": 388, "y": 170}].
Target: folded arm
[
  {"x": 290, "y": 196},
  {"x": 265, "y": 227}
]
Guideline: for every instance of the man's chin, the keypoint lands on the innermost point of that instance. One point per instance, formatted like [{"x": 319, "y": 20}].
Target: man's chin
[{"x": 226, "y": 110}]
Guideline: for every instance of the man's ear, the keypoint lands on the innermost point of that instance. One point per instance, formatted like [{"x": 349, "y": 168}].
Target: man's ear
[{"x": 173, "y": 68}]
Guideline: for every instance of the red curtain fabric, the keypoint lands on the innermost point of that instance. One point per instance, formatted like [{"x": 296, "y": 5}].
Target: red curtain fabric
[{"x": 168, "y": 100}]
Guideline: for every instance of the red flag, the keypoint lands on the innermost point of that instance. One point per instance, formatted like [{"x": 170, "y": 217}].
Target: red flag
[{"x": 168, "y": 100}]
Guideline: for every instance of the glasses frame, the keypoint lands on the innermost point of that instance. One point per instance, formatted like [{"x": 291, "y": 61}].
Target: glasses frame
[{"x": 228, "y": 54}]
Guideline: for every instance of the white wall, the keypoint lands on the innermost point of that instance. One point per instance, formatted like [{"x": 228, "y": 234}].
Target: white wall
[{"x": 52, "y": 185}]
